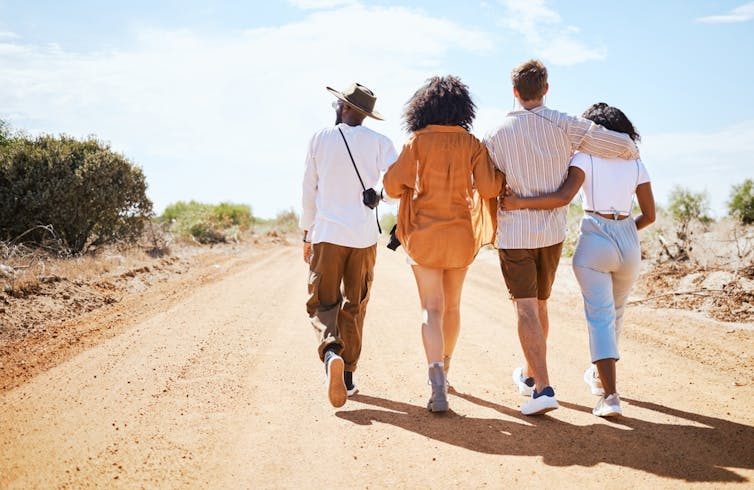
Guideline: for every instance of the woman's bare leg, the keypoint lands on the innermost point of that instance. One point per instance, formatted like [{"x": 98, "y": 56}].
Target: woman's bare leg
[
  {"x": 452, "y": 280},
  {"x": 430, "y": 285}
]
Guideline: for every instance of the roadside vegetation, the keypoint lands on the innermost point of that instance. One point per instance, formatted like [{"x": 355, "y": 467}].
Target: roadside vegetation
[
  {"x": 75, "y": 210},
  {"x": 694, "y": 262}
]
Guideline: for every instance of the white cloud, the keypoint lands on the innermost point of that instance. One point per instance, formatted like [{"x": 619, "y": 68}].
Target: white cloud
[
  {"x": 229, "y": 118},
  {"x": 8, "y": 35},
  {"x": 320, "y": 4},
  {"x": 564, "y": 50},
  {"x": 526, "y": 15},
  {"x": 548, "y": 37},
  {"x": 701, "y": 161},
  {"x": 8, "y": 49},
  {"x": 744, "y": 13}
]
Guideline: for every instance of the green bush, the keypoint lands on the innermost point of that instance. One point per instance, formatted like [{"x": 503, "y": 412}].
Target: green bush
[
  {"x": 686, "y": 208},
  {"x": 205, "y": 232},
  {"x": 741, "y": 204},
  {"x": 685, "y": 205},
  {"x": 207, "y": 223},
  {"x": 229, "y": 214},
  {"x": 86, "y": 192},
  {"x": 5, "y": 133},
  {"x": 182, "y": 211},
  {"x": 286, "y": 221}
]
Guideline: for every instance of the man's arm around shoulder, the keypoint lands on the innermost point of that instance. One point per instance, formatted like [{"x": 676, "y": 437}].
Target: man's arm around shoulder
[{"x": 594, "y": 139}]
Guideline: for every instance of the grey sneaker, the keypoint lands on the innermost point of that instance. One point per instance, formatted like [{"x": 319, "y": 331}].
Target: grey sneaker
[
  {"x": 438, "y": 402},
  {"x": 336, "y": 388},
  {"x": 608, "y": 406},
  {"x": 592, "y": 380},
  {"x": 523, "y": 387}
]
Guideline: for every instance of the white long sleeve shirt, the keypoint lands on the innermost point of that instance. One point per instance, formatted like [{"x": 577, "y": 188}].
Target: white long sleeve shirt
[{"x": 333, "y": 210}]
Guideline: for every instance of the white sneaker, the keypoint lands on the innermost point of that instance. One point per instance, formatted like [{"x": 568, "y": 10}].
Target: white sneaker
[
  {"x": 520, "y": 382},
  {"x": 352, "y": 390},
  {"x": 592, "y": 379},
  {"x": 608, "y": 407},
  {"x": 336, "y": 387},
  {"x": 544, "y": 403}
]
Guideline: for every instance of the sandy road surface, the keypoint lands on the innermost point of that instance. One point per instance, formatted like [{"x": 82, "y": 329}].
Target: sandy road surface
[{"x": 220, "y": 387}]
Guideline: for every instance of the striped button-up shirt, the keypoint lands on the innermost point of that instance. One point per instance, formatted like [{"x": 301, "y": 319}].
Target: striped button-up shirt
[{"x": 533, "y": 149}]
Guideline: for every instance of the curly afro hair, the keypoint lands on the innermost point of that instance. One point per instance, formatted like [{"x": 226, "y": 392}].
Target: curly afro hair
[
  {"x": 442, "y": 100},
  {"x": 612, "y": 118}
]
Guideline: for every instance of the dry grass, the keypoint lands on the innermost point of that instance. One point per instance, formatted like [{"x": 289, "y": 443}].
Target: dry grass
[{"x": 31, "y": 272}]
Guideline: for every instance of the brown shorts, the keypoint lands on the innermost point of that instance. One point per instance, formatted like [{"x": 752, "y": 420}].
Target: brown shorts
[{"x": 529, "y": 273}]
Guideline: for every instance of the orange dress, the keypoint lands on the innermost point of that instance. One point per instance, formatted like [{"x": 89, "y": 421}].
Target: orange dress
[{"x": 447, "y": 184}]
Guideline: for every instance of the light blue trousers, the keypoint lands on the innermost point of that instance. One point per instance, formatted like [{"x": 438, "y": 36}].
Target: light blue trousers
[{"x": 606, "y": 264}]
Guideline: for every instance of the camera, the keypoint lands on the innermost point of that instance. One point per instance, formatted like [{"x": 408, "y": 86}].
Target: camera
[
  {"x": 370, "y": 198},
  {"x": 394, "y": 243}
]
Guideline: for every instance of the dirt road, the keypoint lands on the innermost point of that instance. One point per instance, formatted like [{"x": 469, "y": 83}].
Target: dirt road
[{"x": 216, "y": 384}]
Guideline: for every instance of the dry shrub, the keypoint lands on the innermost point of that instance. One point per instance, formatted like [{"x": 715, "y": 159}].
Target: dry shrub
[{"x": 717, "y": 277}]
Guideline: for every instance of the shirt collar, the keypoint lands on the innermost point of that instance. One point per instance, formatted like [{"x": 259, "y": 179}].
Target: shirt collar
[{"x": 440, "y": 128}]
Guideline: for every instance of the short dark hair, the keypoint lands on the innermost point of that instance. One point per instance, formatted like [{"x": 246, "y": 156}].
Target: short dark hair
[
  {"x": 530, "y": 79},
  {"x": 441, "y": 100},
  {"x": 612, "y": 118}
]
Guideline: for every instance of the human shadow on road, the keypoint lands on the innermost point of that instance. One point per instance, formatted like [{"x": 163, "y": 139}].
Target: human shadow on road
[{"x": 672, "y": 450}]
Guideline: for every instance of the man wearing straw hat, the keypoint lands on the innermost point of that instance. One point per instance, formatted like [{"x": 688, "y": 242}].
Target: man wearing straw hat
[{"x": 340, "y": 226}]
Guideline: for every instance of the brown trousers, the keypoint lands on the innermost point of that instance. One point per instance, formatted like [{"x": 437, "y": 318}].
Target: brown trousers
[{"x": 340, "y": 279}]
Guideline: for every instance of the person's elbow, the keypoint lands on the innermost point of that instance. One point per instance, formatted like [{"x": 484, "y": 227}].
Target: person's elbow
[{"x": 650, "y": 216}]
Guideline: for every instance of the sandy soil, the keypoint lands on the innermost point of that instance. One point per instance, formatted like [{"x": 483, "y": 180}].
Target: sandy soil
[{"x": 211, "y": 380}]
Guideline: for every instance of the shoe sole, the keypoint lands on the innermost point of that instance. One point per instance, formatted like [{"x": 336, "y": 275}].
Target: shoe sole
[
  {"x": 543, "y": 410},
  {"x": 336, "y": 389},
  {"x": 612, "y": 413},
  {"x": 438, "y": 406},
  {"x": 352, "y": 391},
  {"x": 609, "y": 415}
]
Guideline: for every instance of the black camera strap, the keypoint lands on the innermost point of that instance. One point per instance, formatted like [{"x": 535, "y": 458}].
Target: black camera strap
[
  {"x": 376, "y": 213},
  {"x": 352, "y": 160}
]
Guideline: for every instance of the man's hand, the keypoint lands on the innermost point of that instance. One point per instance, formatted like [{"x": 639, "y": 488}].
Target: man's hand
[
  {"x": 509, "y": 201},
  {"x": 307, "y": 248}
]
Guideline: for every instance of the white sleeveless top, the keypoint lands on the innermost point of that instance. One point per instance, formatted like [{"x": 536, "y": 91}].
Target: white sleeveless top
[{"x": 609, "y": 184}]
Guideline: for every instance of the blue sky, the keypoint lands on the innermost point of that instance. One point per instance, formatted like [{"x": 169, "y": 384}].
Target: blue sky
[{"x": 216, "y": 101}]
